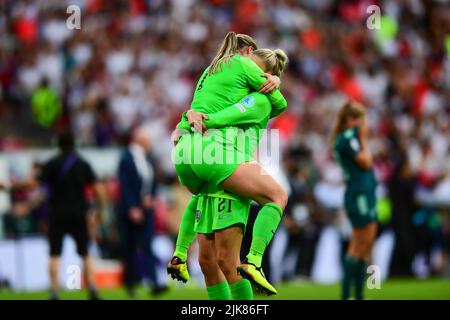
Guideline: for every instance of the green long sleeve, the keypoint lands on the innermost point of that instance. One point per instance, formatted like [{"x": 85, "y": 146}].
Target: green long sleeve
[
  {"x": 216, "y": 91},
  {"x": 254, "y": 77},
  {"x": 184, "y": 123},
  {"x": 253, "y": 109}
]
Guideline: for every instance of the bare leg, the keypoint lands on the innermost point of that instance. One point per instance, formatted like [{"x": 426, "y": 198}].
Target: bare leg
[
  {"x": 207, "y": 260},
  {"x": 251, "y": 181},
  {"x": 362, "y": 241},
  {"x": 89, "y": 270},
  {"x": 228, "y": 244},
  {"x": 53, "y": 270}
]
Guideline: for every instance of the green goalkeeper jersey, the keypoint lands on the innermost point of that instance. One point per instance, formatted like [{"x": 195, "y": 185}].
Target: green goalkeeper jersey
[
  {"x": 237, "y": 79},
  {"x": 251, "y": 115}
]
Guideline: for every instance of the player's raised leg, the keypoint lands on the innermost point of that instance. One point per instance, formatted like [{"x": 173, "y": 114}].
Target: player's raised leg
[
  {"x": 251, "y": 181},
  {"x": 177, "y": 267}
]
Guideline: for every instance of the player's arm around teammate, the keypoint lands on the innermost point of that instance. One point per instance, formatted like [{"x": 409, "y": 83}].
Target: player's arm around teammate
[
  {"x": 221, "y": 218},
  {"x": 233, "y": 44},
  {"x": 249, "y": 180}
]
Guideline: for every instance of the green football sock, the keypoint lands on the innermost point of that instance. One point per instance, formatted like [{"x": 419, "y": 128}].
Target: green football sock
[
  {"x": 242, "y": 290},
  {"x": 360, "y": 279},
  {"x": 186, "y": 234},
  {"x": 220, "y": 291},
  {"x": 266, "y": 224},
  {"x": 349, "y": 276}
]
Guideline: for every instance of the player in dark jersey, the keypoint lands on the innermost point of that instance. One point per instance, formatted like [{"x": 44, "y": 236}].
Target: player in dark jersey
[{"x": 352, "y": 153}]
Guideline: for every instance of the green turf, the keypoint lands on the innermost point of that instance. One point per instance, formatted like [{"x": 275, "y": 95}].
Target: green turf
[{"x": 398, "y": 289}]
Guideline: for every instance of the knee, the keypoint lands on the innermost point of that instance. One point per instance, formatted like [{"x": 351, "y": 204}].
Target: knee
[
  {"x": 360, "y": 251},
  {"x": 207, "y": 264},
  {"x": 368, "y": 248},
  {"x": 280, "y": 197},
  {"x": 226, "y": 264}
]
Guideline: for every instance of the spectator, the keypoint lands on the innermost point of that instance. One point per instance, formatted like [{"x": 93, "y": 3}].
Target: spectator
[{"x": 45, "y": 105}]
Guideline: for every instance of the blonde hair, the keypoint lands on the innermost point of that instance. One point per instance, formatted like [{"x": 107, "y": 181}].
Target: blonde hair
[
  {"x": 350, "y": 109},
  {"x": 275, "y": 61},
  {"x": 230, "y": 45}
]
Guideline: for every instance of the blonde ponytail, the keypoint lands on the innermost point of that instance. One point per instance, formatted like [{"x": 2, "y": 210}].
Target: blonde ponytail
[
  {"x": 275, "y": 61},
  {"x": 230, "y": 45},
  {"x": 282, "y": 60}
]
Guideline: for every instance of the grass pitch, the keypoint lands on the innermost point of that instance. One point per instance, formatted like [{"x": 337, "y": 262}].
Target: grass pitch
[{"x": 395, "y": 289}]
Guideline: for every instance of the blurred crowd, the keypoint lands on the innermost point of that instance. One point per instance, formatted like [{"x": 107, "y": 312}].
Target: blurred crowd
[{"x": 136, "y": 62}]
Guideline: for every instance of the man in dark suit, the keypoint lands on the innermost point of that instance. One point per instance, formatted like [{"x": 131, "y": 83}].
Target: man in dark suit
[{"x": 137, "y": 185}]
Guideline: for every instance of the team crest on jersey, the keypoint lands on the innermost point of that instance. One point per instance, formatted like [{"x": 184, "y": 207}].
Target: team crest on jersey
[
  {"x": 197, "y": 215},
  {"x": 248, "y": 101}
]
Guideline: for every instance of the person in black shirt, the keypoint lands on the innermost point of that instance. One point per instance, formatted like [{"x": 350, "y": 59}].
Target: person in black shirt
[{"x": 66, "y": 177}]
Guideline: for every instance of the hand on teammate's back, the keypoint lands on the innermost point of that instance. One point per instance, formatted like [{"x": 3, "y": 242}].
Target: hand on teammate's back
[
  {"x": 272, "y": 83},
  {"x": 195, "y": 120}
]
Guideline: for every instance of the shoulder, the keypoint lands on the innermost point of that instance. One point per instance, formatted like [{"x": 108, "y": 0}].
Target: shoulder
[
  {"x": 248, "y": 63},
  {"x": 80, "y": 158},
  {"x": 255, "y": 98},
  {"x": 83, "y": 162},
  {"x": 52, "y": 163},
  {"x": 344, "y": 138},
  {"x": 54, "y": 160},
  {"x": 349, "y": 139},
  {"x": 347, "y": 136},
  {"x": 126, "y": 157},
  {"x": 349, "y": 133},
  {"x": 337, "y": 145},
  {"x": 205, "y": 72}
]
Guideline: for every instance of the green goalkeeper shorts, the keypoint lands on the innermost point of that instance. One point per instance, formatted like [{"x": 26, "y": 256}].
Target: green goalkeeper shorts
[
  {"x": 201, "y": 160},
  {"x": 220, "y": 211}
]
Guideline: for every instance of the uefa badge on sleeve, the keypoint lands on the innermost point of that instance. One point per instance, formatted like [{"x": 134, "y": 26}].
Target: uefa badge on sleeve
[{"x": 248, "y": 101}]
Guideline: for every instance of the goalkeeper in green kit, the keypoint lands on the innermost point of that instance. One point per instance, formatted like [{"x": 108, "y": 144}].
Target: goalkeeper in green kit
[
  {"x": 230, "y": 78},
  {"x": 221, "y": 217}
]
